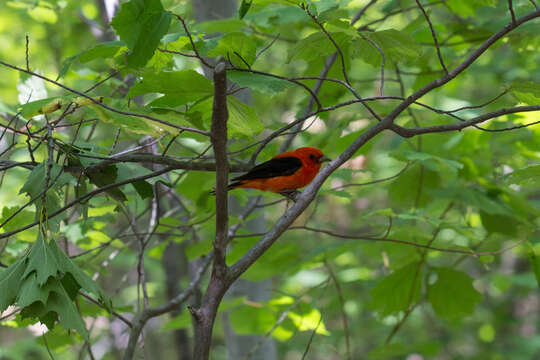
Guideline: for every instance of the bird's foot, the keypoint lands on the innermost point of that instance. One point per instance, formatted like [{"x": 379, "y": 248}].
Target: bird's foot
[{"x": 291, "y": 194}]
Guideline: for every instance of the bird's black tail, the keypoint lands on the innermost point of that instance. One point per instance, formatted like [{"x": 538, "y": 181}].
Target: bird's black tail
[{"x": 229, "y": 187}]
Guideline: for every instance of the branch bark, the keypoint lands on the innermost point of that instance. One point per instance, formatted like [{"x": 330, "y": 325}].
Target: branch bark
[
  {"x": 218, "y": 136},
  {"x": 463, "y": 65},
  {"x": 206, "y": 314}
]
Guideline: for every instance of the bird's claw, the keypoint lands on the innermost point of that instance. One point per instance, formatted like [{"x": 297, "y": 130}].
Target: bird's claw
[{"x": 291, "y": 194}]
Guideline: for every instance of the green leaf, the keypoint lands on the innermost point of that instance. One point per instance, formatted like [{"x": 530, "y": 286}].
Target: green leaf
[
  {"x": 238, "y": 47},
  {"x": 453, "y": 295},
  {"x": 60, "y": 302},
  {"x": 398, "y": 350},
  {"x": 251, "y": 320},
  {"x": 43, "y": 14},
  {"x": 31, "y": 291},
  {"x": 397, "y": 291},
  {"x": 129, "y": 171},
  {"x": 430, "y": 161},
  {"x": 316, "y": 45},
  {"x": 39, "y": 107},
  {"x": 274, "y": 262},
  {"x": 403, "y": 191},
  {"x": 66, "y": 64},
  {"x": 339, "y": 193},
  {"x": 141, "y": 24},
  {"x": 84, "y": 281},
  {"x": 133, "y": 124},
  {"x": 42, "y": 261},
  {"x": 474, "y": 197},
  {"x": 10, "y": 282},
  {"x": 243, "y": 120},
  {"x": 533, "y": 253},
  {"x": 486, "y": 333},
  {"x": 244, "y": 8},
  {"x": 144, "y": 189},
  {"x": 308, "y": 319},
  {"x": 198, "y": 249},
  {"x": 527, "y": 92},
  {"x": 463, "y": 8},
  {"x": 496, "y": 223},
  {"x": 101, "y": 51},
  {"x": 526, "y": 176},
  {"x": 181, "y": 321},
  {"x": 397, "y": 46},
  {"x": 18, "y": 221},
  {"x": 178, "y": 87},
  {"x": 101, "y": 210},
  {"x": 108, "y": 175},
  {"x": 264, "y": 84},
  {"x": 35, "y": 183},
  {"x": 222, "y": 25}
]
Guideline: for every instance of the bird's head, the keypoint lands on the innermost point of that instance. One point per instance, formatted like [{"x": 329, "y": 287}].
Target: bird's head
[{"x": 312, "y": 155}]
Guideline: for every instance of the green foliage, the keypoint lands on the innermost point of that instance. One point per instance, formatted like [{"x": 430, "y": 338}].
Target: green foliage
[
  {"x": 433, "y": 239},
  {"x": 44, "y": 284},
  {"x": 397, "y": 46},
  {"x": 252, "y": 320},
  {"x": 141, "y": 24},
  {"x": 193, "y": 86},
  {"x": 266, "y": 85},
  {"x": 237, "y": 47},
  {"x": 397, "y": 291},
  {"x": 452, "y": 295}
]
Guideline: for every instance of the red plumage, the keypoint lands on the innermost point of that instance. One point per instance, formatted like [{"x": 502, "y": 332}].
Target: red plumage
[{"x": 284, "y": 173}]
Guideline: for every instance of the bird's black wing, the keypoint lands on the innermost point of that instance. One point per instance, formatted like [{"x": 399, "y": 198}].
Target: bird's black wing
[{"x": 275, "y": 167}]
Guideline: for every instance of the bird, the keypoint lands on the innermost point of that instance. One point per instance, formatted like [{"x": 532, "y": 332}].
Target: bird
[{"x": 284, "y": 173}]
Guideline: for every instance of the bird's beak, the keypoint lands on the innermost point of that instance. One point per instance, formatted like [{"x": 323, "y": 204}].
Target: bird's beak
[{"x": 324, "y": 159}]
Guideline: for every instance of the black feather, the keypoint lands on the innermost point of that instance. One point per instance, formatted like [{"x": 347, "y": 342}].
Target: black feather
[{"x": 275, "y": 167}]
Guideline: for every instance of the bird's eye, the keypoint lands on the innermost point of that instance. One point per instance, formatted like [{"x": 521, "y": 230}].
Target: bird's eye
[{"x": 312, "y": 157}]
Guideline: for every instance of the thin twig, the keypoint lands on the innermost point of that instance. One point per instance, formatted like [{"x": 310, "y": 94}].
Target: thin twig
[
  {"x": 84, "y": 198},
  {"x": 374, "y": 181},
  {"x": 410, "y": 305},
  {"x": 397, "y": 12},
  {"x": 311, "y": 338},
  {"x": 267, "y": 46},
  {"x": 341, "y": 308},
  {"x": 99, "y": 103},
  {"x": 201, "y": 59},
  {"x": 338, "y": 49},
  {"x": 434, "y": 35},
  {"x": 117, "y": 315},
  {"x": 383, "y": 61},
  {"x": 47, "y": 345},
  {"x": 410, "y": 132},
  {"x": 510, "y": 8},
  {"x": 362, "y": 12},
  {"x": 27, "y": 56}
]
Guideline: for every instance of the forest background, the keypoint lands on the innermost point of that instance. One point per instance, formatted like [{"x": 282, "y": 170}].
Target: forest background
[{"x": 420, "y": 240}]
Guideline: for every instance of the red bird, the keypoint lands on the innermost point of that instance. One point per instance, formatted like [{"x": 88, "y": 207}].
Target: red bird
[{"x": 284, "y": 173}]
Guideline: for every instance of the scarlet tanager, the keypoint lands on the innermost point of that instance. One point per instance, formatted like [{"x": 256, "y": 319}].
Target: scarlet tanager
[{"x": 284, "y": 173}]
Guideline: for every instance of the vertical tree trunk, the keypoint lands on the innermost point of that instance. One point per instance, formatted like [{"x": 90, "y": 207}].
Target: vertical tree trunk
[
  {"x": 175, "y": 267},
  {"x": 238, "y": 345}
]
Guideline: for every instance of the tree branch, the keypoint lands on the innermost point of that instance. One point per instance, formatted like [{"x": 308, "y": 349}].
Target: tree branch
[
  {"x": 462, "y": 66},
  {"x": 410, "y": 132},
  {"x": 302, "y": 202},
  {"x": 434, "y": 35},
  {"x": 86, "y": 197},
  {"x": 218, "y": 136},
  {"x": 99, "y": 103},
  {"x": 140, "y": 321}
]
